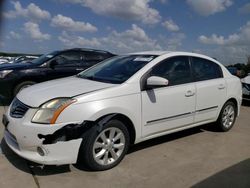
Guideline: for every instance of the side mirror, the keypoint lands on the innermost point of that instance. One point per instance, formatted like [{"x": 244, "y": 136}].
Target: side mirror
[
  {"x": 155, "y": 82},
  {"x": 53, "y": 63}
]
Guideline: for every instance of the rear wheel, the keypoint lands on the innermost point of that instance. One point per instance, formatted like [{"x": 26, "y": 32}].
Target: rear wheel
[
  {"x": 22, "y": 86},
  {"x": 227, "y": 116},
  {"x": 103, "y": 149}
]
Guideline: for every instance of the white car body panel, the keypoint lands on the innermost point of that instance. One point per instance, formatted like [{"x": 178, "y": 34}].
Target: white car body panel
[
  {"x": 208, "y": 106},
  {"x": 181, "y": 113},
  {"x": 177, "y": 108},
  {"x": 64, "y": 87},
  {"x": 27, "y": 141}
]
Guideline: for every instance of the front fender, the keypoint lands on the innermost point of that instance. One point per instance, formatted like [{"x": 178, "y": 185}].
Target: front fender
[{"x": 129, "y": 106}]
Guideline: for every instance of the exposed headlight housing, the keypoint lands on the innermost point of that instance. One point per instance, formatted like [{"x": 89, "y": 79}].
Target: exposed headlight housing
[
  {"x": 50, "y": 111},
  {"x": 4, "y": 73}
]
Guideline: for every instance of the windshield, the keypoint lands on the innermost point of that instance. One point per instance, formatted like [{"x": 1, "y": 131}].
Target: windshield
[
  {"x": 117, "y": 69},
  {"x": 44, "y": 58}
]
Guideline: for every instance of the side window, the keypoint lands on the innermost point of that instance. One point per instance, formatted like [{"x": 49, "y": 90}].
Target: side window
[
  {"x": 91, "y": 58},
  {"x": 205, "y": 70},
  {"x": 68, "y": 58},
  {"x": 175, "y": 69}
]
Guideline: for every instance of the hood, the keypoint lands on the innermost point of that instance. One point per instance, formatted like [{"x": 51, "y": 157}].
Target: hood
[
  {"x": 38, "y": 94},
  {"x": 14, "y": 66},
  {"x": 246, "y": 80}
]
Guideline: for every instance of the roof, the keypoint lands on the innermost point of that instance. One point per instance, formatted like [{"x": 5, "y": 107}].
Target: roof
[
  {"x": 88, "y": 50},
  {"x": 151, "y": 53},
  {"x": 160, "y": 53}
]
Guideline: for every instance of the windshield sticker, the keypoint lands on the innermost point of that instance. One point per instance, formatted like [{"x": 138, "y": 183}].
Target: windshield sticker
[
  {"x": 147, "y": 59},
  {"x": 49, "y": 56}
]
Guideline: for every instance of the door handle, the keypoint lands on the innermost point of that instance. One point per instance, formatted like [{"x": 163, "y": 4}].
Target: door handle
[
  {"x": 221, "y": 86},
  {"x": 189, "y": 93},
  {"x": 79, "y": 69}
]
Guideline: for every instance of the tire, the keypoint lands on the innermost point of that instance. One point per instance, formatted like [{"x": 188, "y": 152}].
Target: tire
[
  {"x": 21, "y": 86},
  {"x": 110, "y": 147},
  {"x": 227, "y": 117}
]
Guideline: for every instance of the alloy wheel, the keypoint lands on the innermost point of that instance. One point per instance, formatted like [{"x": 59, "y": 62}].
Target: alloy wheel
[
  {"x": 228, "y": 116},
  {"x": 108, "y": 146}
]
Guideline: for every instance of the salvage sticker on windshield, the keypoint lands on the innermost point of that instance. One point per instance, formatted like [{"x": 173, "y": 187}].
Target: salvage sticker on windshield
[
  {"x": 147, "y": 59},
  {"x": 49, "y": 56}
]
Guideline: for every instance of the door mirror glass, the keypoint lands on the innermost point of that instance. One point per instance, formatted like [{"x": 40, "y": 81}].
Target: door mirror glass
[{"x": 156, "y": 81}]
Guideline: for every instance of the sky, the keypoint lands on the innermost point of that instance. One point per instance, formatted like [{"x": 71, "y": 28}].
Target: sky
[{"x": 218, "y": 28}]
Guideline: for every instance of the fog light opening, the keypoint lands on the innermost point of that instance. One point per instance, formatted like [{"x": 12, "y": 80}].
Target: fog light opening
[{"x": 40, "y": 151}]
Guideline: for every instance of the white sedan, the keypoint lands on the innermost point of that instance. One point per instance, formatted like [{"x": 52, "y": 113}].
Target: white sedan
[{"x": 95, "y": 116}]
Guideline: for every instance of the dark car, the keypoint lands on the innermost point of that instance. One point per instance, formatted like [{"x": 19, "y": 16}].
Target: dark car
[
  {"x": 232, "y": 70},
  {"x": 14, "y": 77}
]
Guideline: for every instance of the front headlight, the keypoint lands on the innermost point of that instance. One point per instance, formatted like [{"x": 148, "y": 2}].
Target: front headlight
[
  {"x": 49, "y": 111},
  {"x": 4, "y": 73}
]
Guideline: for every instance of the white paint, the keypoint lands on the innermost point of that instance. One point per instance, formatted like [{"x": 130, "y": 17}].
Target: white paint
[{"x": 101, "y": 99}]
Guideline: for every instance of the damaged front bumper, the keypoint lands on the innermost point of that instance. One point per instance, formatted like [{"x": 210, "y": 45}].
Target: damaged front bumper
[{"x": 56, "y": 144}]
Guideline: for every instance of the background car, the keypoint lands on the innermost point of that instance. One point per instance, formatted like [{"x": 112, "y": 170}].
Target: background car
[
  {"x": 246, "y": 87},
  {"x": 5, "y": 59},
  {"x": 23, "y": 59},
  {"x": 16, "y": 76},
  {"x": 232, "y": 70}
]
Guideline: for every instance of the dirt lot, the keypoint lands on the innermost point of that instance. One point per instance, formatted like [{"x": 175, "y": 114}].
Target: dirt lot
[{"x": 200, "y": 157}]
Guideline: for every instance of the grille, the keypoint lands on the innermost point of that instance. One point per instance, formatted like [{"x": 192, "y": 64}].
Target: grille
[{"x": 18, "y": 109}]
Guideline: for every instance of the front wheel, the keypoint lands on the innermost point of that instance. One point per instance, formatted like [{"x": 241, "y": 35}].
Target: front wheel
[
  {"x": 227, "y": 116},
  {"x": 103, "y": 149}
]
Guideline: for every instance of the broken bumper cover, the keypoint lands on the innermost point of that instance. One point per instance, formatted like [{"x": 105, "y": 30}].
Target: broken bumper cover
[
  {"x": 22, "y": 137},
  {"x": 54, "y": 154}
]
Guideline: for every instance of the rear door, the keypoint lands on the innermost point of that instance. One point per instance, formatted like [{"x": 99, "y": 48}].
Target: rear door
[{"x": 210, "y": 89}]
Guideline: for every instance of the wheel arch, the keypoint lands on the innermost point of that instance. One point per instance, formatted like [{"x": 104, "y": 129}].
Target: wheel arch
[
  {"x": 123, "y": 118},
  {"x": 234, "y": 100},
  {"x": 19, "y": 82}
]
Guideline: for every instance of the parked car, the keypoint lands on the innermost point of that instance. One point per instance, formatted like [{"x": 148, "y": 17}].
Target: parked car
[
  {"x": 5, "y": 59},
  {"x": 16, "y": 76},
  {"x": 246, "y": 87},
  {"x": 23, "y": 59},
  {"x": 95, "y": 116},
  {"x": 233, "y": 70}
]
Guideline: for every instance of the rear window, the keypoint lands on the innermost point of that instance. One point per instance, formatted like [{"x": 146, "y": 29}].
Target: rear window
[{"x": 205, "y": 70}]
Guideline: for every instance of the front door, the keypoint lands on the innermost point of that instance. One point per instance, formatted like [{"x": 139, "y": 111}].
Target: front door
[
  {"x": 65, "y": 64},
  {"x": 173, "y": 106}
]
